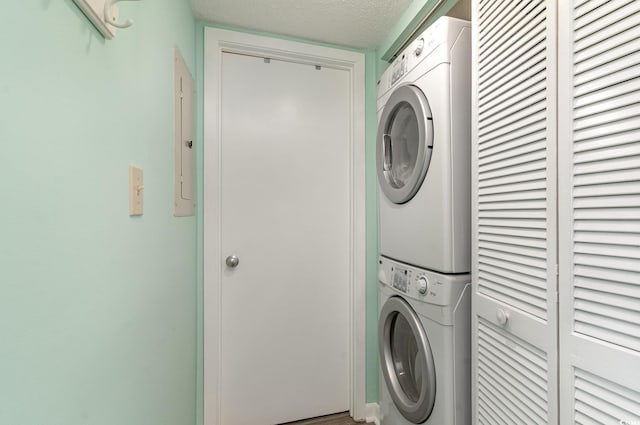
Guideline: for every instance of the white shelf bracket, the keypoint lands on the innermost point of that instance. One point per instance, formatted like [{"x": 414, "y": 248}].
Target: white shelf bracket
[
  {"x": 113, "y": 20},
  {"x": 103, "y": 14}
]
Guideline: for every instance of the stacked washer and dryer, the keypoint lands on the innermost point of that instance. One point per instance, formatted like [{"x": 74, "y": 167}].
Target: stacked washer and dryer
[{"x": 423, "y": 162}]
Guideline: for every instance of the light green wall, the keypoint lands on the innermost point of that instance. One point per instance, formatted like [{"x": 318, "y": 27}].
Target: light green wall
[{"x": 97, "y": 309}]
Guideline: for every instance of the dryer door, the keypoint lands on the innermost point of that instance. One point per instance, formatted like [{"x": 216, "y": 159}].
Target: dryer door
[
  {"x": 404, "y": 144},
  {"x": 406, "y": 360}
]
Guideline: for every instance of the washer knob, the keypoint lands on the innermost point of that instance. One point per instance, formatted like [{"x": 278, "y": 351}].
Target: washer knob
[{"x": 423, "y": 284}]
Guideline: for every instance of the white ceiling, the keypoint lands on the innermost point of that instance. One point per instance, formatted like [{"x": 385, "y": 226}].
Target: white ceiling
[{"x": 353, "y": 23}]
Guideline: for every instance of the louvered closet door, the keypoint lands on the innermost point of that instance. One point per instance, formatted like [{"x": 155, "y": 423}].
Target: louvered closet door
[
  {"x": 514, "y": 217},
  {"x": 599, "y": 135}
]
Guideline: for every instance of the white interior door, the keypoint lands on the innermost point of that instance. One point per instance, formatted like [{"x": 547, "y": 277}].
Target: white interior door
[
  {"x": 285, "y": 214},
  {"x": 600, "y": 212},
  {"x": 514, "y": 213}
]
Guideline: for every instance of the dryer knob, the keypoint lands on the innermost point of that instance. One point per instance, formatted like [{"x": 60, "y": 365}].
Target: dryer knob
[{"x": 423, "y": 284}]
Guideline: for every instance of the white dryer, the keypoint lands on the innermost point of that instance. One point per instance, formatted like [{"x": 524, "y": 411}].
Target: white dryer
[
  {"x": 423, "y": 151},
  {"x": 424, "y": 341}
]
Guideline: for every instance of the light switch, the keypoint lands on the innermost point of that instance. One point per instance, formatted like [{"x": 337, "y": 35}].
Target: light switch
[{"x": 136, "y": 189}]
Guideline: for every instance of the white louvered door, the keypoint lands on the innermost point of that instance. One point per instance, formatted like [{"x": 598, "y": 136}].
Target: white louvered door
[
  {"x": 599, "y": 222},
  {"x": 514, "y": 213}
]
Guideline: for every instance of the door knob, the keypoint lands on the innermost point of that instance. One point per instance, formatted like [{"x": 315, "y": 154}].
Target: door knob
[
  {"x": 502, "y": 317},
  {"x": 232, "y": 261}
]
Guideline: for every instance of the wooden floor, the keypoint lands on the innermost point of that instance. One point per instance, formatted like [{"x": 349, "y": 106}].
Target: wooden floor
[{"x": 337, "y": 419}]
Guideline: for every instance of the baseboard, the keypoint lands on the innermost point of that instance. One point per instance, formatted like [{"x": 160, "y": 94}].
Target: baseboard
[{"x": 372, "y": 413}]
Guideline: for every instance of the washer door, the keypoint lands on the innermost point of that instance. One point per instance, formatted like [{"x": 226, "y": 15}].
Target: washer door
[
  {"x": 406, "y": 360},
  {"x": 405, "y": 142}
]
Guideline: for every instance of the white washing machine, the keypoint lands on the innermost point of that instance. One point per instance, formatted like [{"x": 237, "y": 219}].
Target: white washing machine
[
  {"x": 423, "y": 151},
  {"x": 424, "y": 341}
]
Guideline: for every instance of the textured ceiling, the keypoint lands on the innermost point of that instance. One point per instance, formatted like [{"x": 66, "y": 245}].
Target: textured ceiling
[{"x": 354, "y": 23}]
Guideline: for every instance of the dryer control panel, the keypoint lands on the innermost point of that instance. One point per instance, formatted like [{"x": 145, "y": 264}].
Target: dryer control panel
[
  {"x": 399, "y": 67},
  {"x": 442, "y": 33}
]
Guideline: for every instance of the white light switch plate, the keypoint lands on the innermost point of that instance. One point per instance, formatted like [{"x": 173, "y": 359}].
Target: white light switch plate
[{"x": 136, "y": 190}]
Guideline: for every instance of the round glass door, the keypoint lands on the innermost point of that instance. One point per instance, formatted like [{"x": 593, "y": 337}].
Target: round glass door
[
  {"x": 406, "y": 360},
  {"x": 405, "y": 142}
]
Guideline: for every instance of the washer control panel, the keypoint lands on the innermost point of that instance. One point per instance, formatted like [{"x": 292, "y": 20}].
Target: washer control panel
[
  {"x": 400, "y": 280},
  {"x": 424, "y": 285},
  {"x": 410, "y": 281}
]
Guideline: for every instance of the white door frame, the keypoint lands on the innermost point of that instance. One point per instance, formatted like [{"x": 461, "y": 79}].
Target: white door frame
[{"x": 217, "y": 41}]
